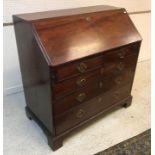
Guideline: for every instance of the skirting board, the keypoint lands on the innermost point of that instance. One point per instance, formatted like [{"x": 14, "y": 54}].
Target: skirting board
[
  {"x": 19, "y": 88},
  {"x": 13, "y": 90}
]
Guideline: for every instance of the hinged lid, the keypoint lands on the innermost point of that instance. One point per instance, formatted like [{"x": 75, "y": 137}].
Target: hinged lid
[{"x": 67, "y": 35}]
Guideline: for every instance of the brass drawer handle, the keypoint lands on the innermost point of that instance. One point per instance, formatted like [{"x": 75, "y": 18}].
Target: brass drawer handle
[
  {"x": 100, "y": 84},
  {"x": 81, "y": 82},
  {"x": 121, "y": 55},
  {"x": 102, "y": 70},
  {"x": 82, "y": 67},
  {"x": 116, "y": 95},
  {"x": 100, "y": 99},
  {"x": 118, "y": 80},
  {"x": 88, "y": 19},
  {"x": 81, "y": 97},
  {"x": 120, "y": 66},
  {"x": 80, "y": 113}
]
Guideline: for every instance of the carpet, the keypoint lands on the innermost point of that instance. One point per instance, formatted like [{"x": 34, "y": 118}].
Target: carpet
[{"x": 138, "y": 145}]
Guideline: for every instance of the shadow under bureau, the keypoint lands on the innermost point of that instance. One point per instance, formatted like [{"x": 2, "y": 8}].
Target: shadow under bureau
[{"x": 76, "y": 64}]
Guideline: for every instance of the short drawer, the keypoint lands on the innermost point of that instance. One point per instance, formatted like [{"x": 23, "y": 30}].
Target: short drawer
[
  {"x": 92, "y": 107},
  {"x": 101, "y": 85},
  {"x": 69, "y": 86},
  {"x": 88, "y": 79},
  {"x": 84, "y": 65}
]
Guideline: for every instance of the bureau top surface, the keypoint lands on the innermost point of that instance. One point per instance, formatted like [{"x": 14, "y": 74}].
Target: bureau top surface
[{"x": 69, "y": 35}]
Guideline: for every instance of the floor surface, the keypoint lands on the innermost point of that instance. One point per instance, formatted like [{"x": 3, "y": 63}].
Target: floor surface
[{"x": 24, "y": 137}]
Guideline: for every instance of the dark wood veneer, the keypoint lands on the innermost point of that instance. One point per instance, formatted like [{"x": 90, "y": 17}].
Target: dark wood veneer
[
  {"x": 67, "y": 71},
  {"x": 76, "y": 64},
  {"x": 94, "y": 106},
  {"x": 70, "y": 101},
  {"x": 109, "y": 68}
]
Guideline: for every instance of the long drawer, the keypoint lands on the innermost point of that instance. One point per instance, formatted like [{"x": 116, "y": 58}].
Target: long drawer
[
  {"x": 102, "y": 85},
  {"x": 111, "y": 68},
  {"x": 88, "y": 109},
  {"x": 87, "y": 64}
]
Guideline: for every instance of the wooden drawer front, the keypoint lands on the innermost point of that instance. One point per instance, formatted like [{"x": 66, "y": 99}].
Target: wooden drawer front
[
  {"x": 90, "y": 108},
  {"x": 102, "y": 85},
  {"x": 83, "y": 66},
  {"x": 74, "y": 84},
  {"x": 88, "y": 79}
]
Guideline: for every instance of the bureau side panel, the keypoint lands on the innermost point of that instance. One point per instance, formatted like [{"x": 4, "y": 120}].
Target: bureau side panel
[
  {"x": 35, "y": 74},
  {"x": 138, "y": 45}
]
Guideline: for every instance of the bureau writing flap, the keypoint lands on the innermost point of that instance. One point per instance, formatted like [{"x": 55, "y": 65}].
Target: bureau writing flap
[{"x": 71, "y": 37}]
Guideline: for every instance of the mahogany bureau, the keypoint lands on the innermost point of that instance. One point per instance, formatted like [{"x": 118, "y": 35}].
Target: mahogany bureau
[{"x": 76, "y": 64}]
